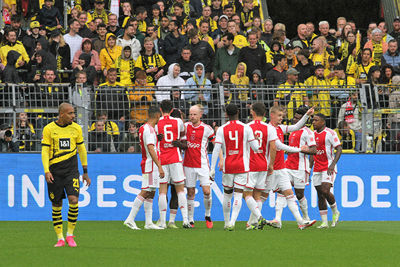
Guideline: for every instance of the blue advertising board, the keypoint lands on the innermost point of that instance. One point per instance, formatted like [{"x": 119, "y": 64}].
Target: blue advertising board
[{"x": 367, "y": 187}]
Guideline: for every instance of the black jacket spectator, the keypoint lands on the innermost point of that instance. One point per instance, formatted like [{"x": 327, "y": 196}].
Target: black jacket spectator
[
  {"x": 30, "y": 41},
  {"x": 254, "y": 58},
  {"x": 85, "y": 32},
  {"x": 173, "y": 47},
  {"x": 275, "y": 77},
  {"x": 47, "y": 16},
  {"x": 99, "y": 141},
  {"x": 306, "y": 70},
  {"x": 90, "y": 70},
  {"x": 186, "y": 68},
  {"x": 10, "y": 74},
  {"x": 202, "y": 52}
]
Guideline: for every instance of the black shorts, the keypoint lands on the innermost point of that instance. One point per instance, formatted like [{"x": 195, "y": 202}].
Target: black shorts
[{"x": 63, "y": 184}]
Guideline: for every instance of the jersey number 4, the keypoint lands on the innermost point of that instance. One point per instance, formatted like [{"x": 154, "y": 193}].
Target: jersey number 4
[{"x": 234, "y": 138}]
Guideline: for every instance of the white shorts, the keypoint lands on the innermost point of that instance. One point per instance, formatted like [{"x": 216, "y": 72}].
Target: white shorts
[
  {"x": 150, "y": 181},
  {"x": 278, "y": 181},
  {"x": 173, "y": 173},
  {"x": 298, "y": 178},
  {"x": 194, "y": 174},
  {"x": 256, "y": 180},
  {"x": 322, "y": 177},
  {"x": 237, "y": 180}
]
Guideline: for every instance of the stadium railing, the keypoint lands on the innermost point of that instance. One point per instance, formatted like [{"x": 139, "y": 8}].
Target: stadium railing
[{"x": 126, "y": 110}]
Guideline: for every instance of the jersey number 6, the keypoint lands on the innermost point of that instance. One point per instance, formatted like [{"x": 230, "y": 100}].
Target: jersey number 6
[{"x": 168, "y": 135}]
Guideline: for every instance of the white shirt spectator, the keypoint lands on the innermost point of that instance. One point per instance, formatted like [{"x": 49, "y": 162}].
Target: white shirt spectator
[{"x": 74, "y": 42}]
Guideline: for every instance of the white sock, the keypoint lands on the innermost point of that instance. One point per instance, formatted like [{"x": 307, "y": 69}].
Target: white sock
[
  {"x": 279, "y": 205},
  {"x": 334, "y": 208},
  {"x": 172, "y": 215},
  {"x": 253, "y": 207},
  {"x": 162, "y": 207},
  {"x": 190, "y": 205},
  {"x": 260, "y": 203},
  {"x": 304, "y": 207},
  {"x": 226, "y": 207},
  {"x": 237, "y": 205},
  {"x": 324, "y": 216},
  {"x": 182, "y": 202},
  {"x": 148, "y": 211},
  {"x": 207, "y": 204},
  {"x": 137, "y": 203},
  {"x": 291, "y": 201}
]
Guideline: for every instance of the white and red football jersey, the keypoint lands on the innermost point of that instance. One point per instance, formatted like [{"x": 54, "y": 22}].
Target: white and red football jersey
[
  {"x": 197, "y": 138},
  {"x": 264, "y": 134},
  {"x": 235, "y": 136},
  {"x": 171, "y": 128},
  {"x": 327, "y": 141},
  {"x": 147, "y": 136},
  {"x": 280, "y": 154},
  {"x": 300, "y": 161}
]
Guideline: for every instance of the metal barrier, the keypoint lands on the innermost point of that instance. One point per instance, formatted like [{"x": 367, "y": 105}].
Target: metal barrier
[{"x": 111, "y": 116}]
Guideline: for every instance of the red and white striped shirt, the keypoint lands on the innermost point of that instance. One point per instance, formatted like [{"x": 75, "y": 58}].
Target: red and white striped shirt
[
  {"x": 235, "y": 136},
  {"x": 147, "y": 136},
  {"x": 197, "y": 138},
  {"x": 264, "y": 133},
  {"x": 327, "y": 141},
  {"x": 300, "y": 161},
  {"x": 171, "y": 128}
]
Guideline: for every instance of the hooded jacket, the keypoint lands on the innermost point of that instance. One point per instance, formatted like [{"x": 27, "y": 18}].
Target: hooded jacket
[
  {"x": 95, "y": 60},
  {"x": 199, "y": 83},
  {"x": 203, "y": 52},
  {"x": 10, "y": 74},
  {"x": 241, "y": 82},
  {"x": 133, "y": 43},
  {"x": 29, "y": 42},
  {"x": 125, "y": 68},
  {"x": 109, "y": 55},
  {"x": 89, "y": 69},
  {"x": 50, "y": 17},
  {"x": 168, "y": 81},
  {"x": 17, "y": 46},
  {"x": 48, "y": 62}
]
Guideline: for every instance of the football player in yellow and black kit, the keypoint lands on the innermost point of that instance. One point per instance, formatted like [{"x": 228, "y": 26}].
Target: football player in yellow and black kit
[{"x": 61, "y": 141}]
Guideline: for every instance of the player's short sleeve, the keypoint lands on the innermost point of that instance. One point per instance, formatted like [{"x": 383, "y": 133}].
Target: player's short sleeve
[
  {"x": 79, "y": 139},
  {"x": 272, "y": 135},
  {"x": 148, "y": 136},
  {"x": 310, "y": 138},
  {"x": 249, "y": 133},
  {"x": 46, "y": 137},
  {"x": 334, "y": 139},
  {"x": 209, "y": 133},
  {"x": 181, "y": 126},
  {"x": 219, "y": 136}
]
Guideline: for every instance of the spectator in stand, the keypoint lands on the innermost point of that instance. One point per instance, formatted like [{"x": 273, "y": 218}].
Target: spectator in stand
[
  {"x": 29, "y": 41},
  {"x": 394, "y": 119},
  {"x": 385, "y": 36},
  {"x": 302, "y": 36},
  {"x": 50, "y": 16},
  {"x": 247, "y": 14},
  {"x": 186, "y": 63},
  {"x": 8, "y": 143},
  {"x": 200, "y": 84},
  {"x": 173, "y": 43},
  {"x": 178, "y": 101},
  {"x": 319, "y": 55},
  {"x": 204, "y": 31},
  {"x": 228, "y": 10},
  {"x": 42, "y": 61},
  {"x": 152, "y": 63},
  {"x": 239, "y": 40},
  {"x": 280, "y": 27},
  {"x": 110, "y": 53},
  {"x": 168, "y": 81},
  {"x": 305, "y": 66},
  {"x": 226, "y": 58},
  {"x": 61, "y": 51},
  {"x": 201, "y": 50},
  {"x": 344, "y": 49},
  {"x": 324, "y": 32},
  {"x": 253, "y": 55},
  {"x": 387, "y": 73},
  {"x": 87, "y": 47},
  {"x": 50, "y": 95},
  {"x": 99, "y": 12},
  {"x": 340, "y": 23},
  {"x": 396, "y": 29},
  {"x": 216, "y": 9},
  {"x": 16, "y": 22},
  {"x": 84, "y": 64},
  {"x": 266, "y": 35},
  {"x": 24, "y": 133},
  {"x": 163, "y": 30},
  {"x": 10, "y": 74},
  {"x": 350, "y": 113},
  {"x": 377, "y": 46},
  {"x": 276, "y": 49},
  {"x": 141, "y": 98},
  {"x": 206, "y": 16},
  {"x": 291, "y": 95},
  {"x": 392, "y": 56},
  {"x": 360, "y": 70},
  {"x": 291, "y": 59},
  {"x": 99, "y": 140},
  {"x": 155, "y": 18},
  {"x": 277, "y": 75},
  {"x": 131, "y": 142},
  {"x": 125, "y": 12},
  {"x": 100, "y": 41},
  {"x": 125, "y": 66},
  {"x": 13, "y": 44},
  {"x": 158, "y": 43},
  {"x": 141, "y": 15},
  {"x": 72, "y": 38},
  {"x": 240, "y": 80},
  {"x": 319, "y": 93},
  {"x": 84, "y": 31},
  {"x": 129, "y": 39},
  {"x": 346, "y": 136},
  {"x": 110, "y": 127},
  {"x": 222, "y": 29},
  {"x": 113, "y": 24},
  {"x": 310, "y": 31}
]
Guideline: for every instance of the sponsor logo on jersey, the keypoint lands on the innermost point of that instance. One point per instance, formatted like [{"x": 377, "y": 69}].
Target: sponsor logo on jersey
[
  {"x": 64, "y": 143},
  {"x": 193, "y": 145},
  {"x": 233, "y": 152},
  {"x": 320, "y": 152}
]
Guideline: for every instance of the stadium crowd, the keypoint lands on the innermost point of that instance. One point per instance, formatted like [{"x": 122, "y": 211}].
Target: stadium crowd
[{"x": 194, "y": 44}]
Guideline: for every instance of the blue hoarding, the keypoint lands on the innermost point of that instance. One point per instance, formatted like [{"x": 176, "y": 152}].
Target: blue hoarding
[{"x": 367, "y": 188}]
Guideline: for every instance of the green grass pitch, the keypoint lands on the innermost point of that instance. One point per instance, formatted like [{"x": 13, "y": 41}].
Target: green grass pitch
[{"x": 105, "y": 243}]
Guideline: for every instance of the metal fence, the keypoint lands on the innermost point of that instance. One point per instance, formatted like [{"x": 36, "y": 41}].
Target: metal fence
[{"x": 111, "y": 116}]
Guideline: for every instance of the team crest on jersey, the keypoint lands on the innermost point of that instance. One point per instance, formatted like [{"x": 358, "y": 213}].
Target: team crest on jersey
[
  {"x": 193, "y": 137},
  {"x": 51, "y": 195}
]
